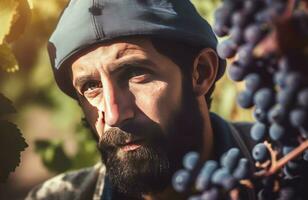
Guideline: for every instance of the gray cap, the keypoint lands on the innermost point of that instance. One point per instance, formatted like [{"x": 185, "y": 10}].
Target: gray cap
[{"x": 85, "y": 23}]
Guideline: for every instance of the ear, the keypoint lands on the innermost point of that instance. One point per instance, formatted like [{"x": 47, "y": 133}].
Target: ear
[{"x": 204, "y": 73}]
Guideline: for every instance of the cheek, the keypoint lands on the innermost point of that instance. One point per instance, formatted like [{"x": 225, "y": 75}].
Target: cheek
[
  {"x": 94, "y": 117},
  {"x": 159, "y": 101}
]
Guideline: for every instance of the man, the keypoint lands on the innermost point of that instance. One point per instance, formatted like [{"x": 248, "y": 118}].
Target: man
[{"x": 143, "y": 72}]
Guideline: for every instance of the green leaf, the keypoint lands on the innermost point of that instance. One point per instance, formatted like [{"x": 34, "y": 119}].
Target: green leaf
[
  {"x": 11, "y": 145},
  {"x": 8, "y": 10},
  {"x": 8, "y": 61},
  {"x": 22, "y": 15},
  {"x": 6, "y": 106},
  {"x": 53, "y": 155}
]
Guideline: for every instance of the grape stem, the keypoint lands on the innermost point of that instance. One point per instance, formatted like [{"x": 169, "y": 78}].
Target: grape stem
[
  {"x": 277, "y": 165},
  {"x": 247, "y": 183},
  {"x": 293, "y": 154},
  {"x": 234, "y": 194}
]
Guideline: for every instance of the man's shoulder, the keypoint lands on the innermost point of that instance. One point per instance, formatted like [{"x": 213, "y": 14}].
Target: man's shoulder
[{"x": 69, "y": 185}]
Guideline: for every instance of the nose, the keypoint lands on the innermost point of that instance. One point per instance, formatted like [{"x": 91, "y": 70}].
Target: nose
[{"x": 118, "y": 105}]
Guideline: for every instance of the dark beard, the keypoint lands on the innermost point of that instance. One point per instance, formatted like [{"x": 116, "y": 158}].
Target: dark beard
[
  {"x": 149, "y": 168},
  {"x": 140, "y": 171}
]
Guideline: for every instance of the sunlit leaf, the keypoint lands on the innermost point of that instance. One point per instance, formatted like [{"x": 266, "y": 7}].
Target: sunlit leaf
[
  {"x": 8, "y": 10},
  {"x": 6, "y": 106},
  {"x": 8, "y": 61},
  {"x": 11, "y": 145},
  {"x": 20, "y": 20},
  {"x": 30, "y": 2}
]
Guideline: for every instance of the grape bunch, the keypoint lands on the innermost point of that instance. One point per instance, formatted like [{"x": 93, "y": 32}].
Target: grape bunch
[
  {"x": 215, "y": 180},
  {"x": 267, "y": 41}
]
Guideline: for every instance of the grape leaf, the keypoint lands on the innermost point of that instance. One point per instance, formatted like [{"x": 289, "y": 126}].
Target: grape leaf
[
  {"x": 22, "y": 15},
  {"x": 6, "y": 106},
  {"x": 11, "y": 145},
  {"x": 8, "y": 10},
  {"x": 30, "y": 2},
  {"x": 8, "y": 61},
  {"x": 53, "y": 155}
]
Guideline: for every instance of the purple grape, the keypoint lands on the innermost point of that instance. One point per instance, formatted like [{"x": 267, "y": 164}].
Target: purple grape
[
  {"x": 277, "y": 132},
  {"x": 230, "y": 160},
  {"x": 226, "y": 49},
  {"x": 253, "y": 82},
  {"x": 260, "y": 115},
  {"x": 303, "y": 98},
  {"x": 219, "y": 176},
  {"x": 180, "y": 179},
  {"x": 264, "y": 98},
  {"x": 286, "y": 97},
  {"x": 236, "y": 34},
  {"x": 269, "y": 14},
  {"x": 258, "y": 131},
  {"x": 240, "y": 18},
  {"x": 190, "y": 160},
  {"x": 220, "y": 29},
  {"x": 253, "y": 33},
  {"x": 236, "y": 72},
  {"x": 252, "y": 6},
  {"x": 245, "y": 99},
  {"x": 222, "y": 14},
  {"x": 294, "y": 80},
  {"x": 204, "y": 178},
  {"x": 245, "y": 55},
  {"x": 260, "y": 152},
  {"x": 242, "y": 170},
  {"x": 298, "y": 117},
  {"x": 279, "y": 79},
  {"x": 278, "y": 114}
]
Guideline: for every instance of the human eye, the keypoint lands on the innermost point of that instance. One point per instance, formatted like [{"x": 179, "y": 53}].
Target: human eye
[
  {"x": 91, "y": 87},
  {"x": 137, "y": 74}
]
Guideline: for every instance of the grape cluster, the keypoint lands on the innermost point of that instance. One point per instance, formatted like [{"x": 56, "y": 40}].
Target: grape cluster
[
  {"x": 276, "y": 82},
  {"x": 267, "y": 41},
  {"x": 276, "y": 85},
  {"x": 215, "y": 179}
]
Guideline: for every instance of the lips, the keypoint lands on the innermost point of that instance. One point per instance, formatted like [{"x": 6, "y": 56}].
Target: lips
[{"x": 131, "y": 145}]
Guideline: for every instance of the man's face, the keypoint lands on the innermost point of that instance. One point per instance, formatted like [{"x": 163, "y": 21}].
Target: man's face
[{"x": 143, "y": 111}]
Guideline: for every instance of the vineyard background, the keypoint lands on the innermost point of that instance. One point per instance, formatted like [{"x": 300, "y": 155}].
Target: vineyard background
[{"x": 49, "y": 120}]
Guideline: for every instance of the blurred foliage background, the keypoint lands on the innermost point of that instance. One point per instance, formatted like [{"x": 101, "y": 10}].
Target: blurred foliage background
[{"x": 49, "y": 120}]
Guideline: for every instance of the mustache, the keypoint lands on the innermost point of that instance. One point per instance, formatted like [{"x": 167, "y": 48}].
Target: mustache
[{"x": 115, "y": 136}]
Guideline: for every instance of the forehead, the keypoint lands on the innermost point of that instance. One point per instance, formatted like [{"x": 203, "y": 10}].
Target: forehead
[{"x": 114, "y": 51}]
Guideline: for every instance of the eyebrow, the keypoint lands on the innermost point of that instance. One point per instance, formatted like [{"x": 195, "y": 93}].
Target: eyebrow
[
  {"x": 80, "y": 81},
  {"x": 132, "y": 63}
]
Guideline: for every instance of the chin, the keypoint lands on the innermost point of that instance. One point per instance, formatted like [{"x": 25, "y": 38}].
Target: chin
[{"x": 140, "y": 171}]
